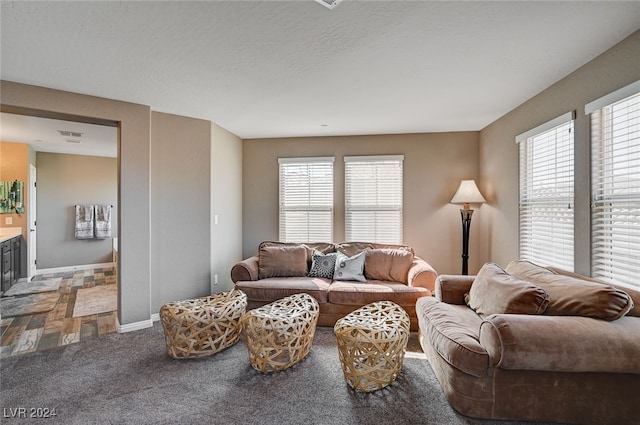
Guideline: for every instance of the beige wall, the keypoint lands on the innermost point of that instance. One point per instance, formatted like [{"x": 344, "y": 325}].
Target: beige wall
[
  {"x": 64, "y": 181},
  {"x": 180, "y": 204},
  {"x": 610, "y": 71},
  {"x": 226, "y": 206},
  {"x": 14, "y": 165},
  {"x": 434, "y": 164}
]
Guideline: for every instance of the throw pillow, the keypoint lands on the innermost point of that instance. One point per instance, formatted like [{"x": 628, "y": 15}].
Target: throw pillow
[
  {"x": 494, "y": 291},
  {"x": 387, "y": 264},
  {"x": 323, "y": 265},
  {"x": 282, "y": 261},
  {"x": 350, "y": 268},
  {"x": 571, "y": 296}
]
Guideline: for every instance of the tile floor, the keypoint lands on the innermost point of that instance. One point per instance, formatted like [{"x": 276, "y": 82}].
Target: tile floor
[{"x": 26, "y": 334}]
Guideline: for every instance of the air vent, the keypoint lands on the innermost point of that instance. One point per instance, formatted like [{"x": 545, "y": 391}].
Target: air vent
[
  {"x": 72, "y": 141},
  {"x": 66, "y": 133},
  {"x": 329, "y": 4}
]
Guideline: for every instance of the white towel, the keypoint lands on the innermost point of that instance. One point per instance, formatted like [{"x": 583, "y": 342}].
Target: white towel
[
  {"x": 84, "y": 222},
  {"x": 103, "y": 222}
]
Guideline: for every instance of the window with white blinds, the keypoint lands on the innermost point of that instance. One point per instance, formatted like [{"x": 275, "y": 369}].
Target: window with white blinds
[
  {"x": 373, "y": 198},
  {"x": 546, "y": 193},
  {"x": 615, "y": 187},
  {"x": 306, "y": 199}
]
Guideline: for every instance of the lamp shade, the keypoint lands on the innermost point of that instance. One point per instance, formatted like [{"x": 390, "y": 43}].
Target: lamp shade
[{"x": 468, "y": 193}]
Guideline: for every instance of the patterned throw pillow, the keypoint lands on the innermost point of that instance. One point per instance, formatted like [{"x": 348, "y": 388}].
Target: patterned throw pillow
[
  {"x": 322, "y": 265},
  {"x": 350, "y": 268}
]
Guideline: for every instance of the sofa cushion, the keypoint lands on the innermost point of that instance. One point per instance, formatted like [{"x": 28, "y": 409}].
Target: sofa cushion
[
  {"x": 275, "y": 288},
  {"x": 562, "y": 344},
  {"x": 350, "y": 268},
  {"x": 387, "y": 264},
  {"x": 571, "y": 296},
  {"x": 495, "y": 291},
  {"x": 453, "y": 331},
  {"x": 323, "y": 265},
  {"x": 356, "y": 293},
  {"x": 282, "y": 261}
]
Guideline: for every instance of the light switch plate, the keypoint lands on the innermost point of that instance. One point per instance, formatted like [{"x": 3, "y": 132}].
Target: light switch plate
[{"x": 8, "y": 220}]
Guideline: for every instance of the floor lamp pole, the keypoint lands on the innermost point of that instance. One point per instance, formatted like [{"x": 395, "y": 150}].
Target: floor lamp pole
[{"x": 465, "y": 214}]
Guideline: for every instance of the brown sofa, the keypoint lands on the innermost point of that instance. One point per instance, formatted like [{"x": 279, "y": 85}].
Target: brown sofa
[
  {"x": 573, "y": 358},
  {"x": 392, "y": 272}
]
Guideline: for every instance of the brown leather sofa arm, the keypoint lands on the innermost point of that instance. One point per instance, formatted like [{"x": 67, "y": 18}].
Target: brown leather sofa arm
[
  {"x": 245, "y": 270},
  {"x": 421, "y": 274},
  {"x": 451, "y": 288}
]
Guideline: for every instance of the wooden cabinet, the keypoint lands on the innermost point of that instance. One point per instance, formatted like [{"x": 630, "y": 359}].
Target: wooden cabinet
[{"x": 11, "y": 263}]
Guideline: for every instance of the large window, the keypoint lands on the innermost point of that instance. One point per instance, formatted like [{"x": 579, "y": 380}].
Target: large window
[
  {"x": 306, "y": 199},
  {"x": 546, "y": 193},
  {"x": 373, "y": 198},
  {"x": 615, "y": 186}
]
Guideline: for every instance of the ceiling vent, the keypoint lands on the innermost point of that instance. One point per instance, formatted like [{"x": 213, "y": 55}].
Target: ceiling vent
[
  {"x": 66, "y": 133},
  {"x": 329, "y": 4},
  {"x": 73, "y": 141}
]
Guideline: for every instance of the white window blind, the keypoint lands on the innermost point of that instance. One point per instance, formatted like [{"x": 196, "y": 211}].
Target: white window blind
[
  {"x": 615, "y": 190},
  {"x": 373, "y": 198},
  {"x": 306, "y": 199},
  {"x": 546, "y": 193}
]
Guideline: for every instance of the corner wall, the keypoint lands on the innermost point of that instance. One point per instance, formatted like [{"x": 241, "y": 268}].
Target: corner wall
[
  {"x": 226, "y": 206},
  {"x": 615, "y": 68},
  {"x": 180, "y": 208}
]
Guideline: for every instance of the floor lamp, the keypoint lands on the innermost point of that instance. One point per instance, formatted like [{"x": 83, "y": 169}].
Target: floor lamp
[{"x": 467, "y": 194}]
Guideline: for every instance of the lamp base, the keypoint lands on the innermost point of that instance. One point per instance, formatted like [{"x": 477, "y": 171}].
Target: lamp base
[{"x": 465, "y": 214}]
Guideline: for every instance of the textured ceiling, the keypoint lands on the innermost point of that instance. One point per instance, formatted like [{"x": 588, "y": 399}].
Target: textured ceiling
[{"x": 296, "y": 68}]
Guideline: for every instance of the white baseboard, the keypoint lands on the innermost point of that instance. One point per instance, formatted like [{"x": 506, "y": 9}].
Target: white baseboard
[
  {"x": 73, "y": 268},
  {"x": 135, "y": 326},
  {"x": 155, "y": 317}
]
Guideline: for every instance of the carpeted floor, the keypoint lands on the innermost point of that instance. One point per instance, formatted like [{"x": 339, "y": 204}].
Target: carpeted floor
[{"x": 128, "y": 378}]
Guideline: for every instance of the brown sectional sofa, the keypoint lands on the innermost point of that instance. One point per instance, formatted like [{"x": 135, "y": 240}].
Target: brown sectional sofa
[
  {"x": 579, "y": 364},
  {"x": 392, "y": 272}
]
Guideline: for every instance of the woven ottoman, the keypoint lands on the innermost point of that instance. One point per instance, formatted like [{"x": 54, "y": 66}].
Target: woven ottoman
[
  {"x": 371, "y": 343},
  {"x": 280, "y": 334},
  {"x": 202, "y": 326}
]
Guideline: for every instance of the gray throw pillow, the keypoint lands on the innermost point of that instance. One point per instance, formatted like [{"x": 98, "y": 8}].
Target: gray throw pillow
[
  {"x": 323, "y": 265},
  {"x": 350, "y": 268}
]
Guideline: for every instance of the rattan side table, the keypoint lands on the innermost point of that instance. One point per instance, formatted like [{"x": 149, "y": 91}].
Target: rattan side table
[
  {"x": 371, "y": 343},
  {"x": 203, "y": 326},
  {"x": 280, "y": 334}
]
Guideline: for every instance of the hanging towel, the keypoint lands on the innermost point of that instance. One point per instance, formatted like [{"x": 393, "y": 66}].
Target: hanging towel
[
  {"x": 103, "y": 222},
  {"x": 84, "y": 221}
]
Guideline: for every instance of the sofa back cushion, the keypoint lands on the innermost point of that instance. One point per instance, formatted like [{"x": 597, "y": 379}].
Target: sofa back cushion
[
  {"x": 572, "y": 296},
  {"x": 388, "y": 264},
  {"x": 633, "y": 293},
  {"x": 353, "y": 248},
  {"x": 282, "y": 260},
  {"x": 494, "y": 291}
]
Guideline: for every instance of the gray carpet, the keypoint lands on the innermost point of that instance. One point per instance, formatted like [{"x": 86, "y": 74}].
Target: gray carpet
[{"x": 127, "y": 378}]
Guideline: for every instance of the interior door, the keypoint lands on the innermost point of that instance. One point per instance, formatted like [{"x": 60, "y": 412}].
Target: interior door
[{"x": 32, "y": 222}]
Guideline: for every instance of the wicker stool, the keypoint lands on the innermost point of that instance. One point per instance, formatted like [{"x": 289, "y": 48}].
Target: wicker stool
[
  {"x": 371, "y": 343},
  {"x": 279, "y": 335},
  {"x": 203, "y": 326}
]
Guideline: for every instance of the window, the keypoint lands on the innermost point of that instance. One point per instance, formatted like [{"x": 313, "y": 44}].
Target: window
[
  {"x": 306, "y": 199},
  {"x": 615, "y": 186},
  {"x": 546, "y": 193},
  {"x": 373, "y": 198}
]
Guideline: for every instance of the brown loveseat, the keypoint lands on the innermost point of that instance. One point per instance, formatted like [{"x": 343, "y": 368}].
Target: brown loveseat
[
  {"x": 573, "y": 357},
  {"x": 390, "y": 272}
]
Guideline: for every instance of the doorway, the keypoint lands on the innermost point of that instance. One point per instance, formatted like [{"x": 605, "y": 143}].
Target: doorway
[{"x": 49, "y": 232}]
